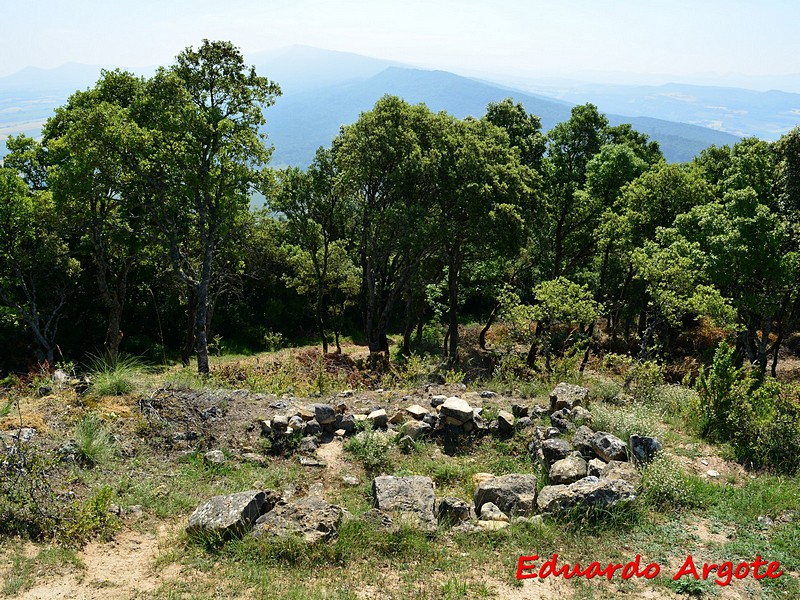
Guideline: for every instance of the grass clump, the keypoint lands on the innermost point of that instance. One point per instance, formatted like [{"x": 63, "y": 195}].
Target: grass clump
[
  {"x": 92, "y": 441},
  {"x": 114, "y": 376},
  {"x": 372, "y": 449},
  {"x": 665, "y": 486}
]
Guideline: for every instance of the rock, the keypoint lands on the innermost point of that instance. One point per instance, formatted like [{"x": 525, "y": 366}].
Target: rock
[
  {"x": 582, "y": 441},
  {"x": 505, "y": 421},
  {"x": 254, "y": 458},
  {"x": 479, "y": 423},
  {"x": 488, "y": 394},
  {"x": 306, "y": 412},
  {"x": 306, "y": 461},
  {"x": 595, "y": 467},
  {"x": 346, "y": 422},
  {"x": 644, "y": 449},
  {"x": 233, "y": 514},
  {"x": 616, "y": 469},
  {"x": 351, "y": 480},
  {"x": 555, "y": 449},
  {"x": 560, "y": 420},
  {"x": 492, "y": 525},
  {"x": 280, "y": 423},
  {"x": 324, "y": 414},
  {"x": 479, "y": 478},
  {"x": 346, "y": 394},
  {"x": 588, "y": 492},
  {"x": 580, "y": 415},
  {"x": 567, "y": 470},
  {"x": 407, "y": 499},
  {"x": 514, "y": 494},
  {"x": 313, "y": 427},
  {"x": 311, "y": 518},
  {"x": 453, "y": 510},
  {"x": 551, "y": 433},
  {"x": 406, "y": 444},
  {"x": 266, "y": 428},
  {"x": 214, "y": 457},
  {"x": 437, "y": 400},
  {"x": 308, "y": 445},
  {"x": 399, "y": 417},
  {"x": 609, "y": 447},
  {"x": 378, "y": 418},
  {"x": 523, "y": 423},
  {"x": 416, "y": 429},
  {"x": 416, "y": 412},
  {"x": 297, "y": 423},
  {"x": 520, "y": 410},
  {"x": 23, "y": 434},
  {"x": 566, "y": 395},
  {"x": 712, "y": 473},
  {"x": 457, "y": 409},
  {"x": 431, "y": 419},
  {"x": 490, "y": 512}
]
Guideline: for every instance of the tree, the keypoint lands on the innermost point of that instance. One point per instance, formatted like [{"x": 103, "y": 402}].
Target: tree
[
  {"x": 202, "y": 159},
  {"x": 524, "y": 130},
  {"x": 37, "y": 272}
]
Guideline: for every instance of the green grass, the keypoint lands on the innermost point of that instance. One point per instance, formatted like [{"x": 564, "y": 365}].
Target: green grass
[
  {"x": 115, "y": 376},
  {"x": 23, "y": 571},
  {"x": 93, "y": 441}
]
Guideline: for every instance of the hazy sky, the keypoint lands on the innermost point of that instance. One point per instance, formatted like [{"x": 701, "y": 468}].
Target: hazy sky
[{"x": 525, "y": 37}]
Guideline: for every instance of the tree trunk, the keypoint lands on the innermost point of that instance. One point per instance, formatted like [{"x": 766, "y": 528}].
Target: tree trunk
[
  {"x": 489, "y": 323},
  {"x": 766, "y": 329},
  {"x": 452, "y": 288},
  {"x": 113, "y": 332},
  {"x": 200, "y": 328},
  {"x": 188, "y": 342}
]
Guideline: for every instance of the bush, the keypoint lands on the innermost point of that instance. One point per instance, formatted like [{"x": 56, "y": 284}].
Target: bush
[
  {"x": 664, "y": 485},
  {"x": 371, "y": 448},
  {"x": 92, "y": 441}
]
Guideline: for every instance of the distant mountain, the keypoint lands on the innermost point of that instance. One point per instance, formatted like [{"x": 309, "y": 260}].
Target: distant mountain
[
  {"x": 323, "y": 90},
  {"x": 741, "y": 112},
  {"x": 300, "y": 123}
]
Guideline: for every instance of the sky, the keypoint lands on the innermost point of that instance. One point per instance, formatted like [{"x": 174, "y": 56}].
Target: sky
[{"x": 713, "y": 41}]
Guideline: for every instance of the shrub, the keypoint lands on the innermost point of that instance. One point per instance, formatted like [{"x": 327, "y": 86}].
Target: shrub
[
  {"x": 114, "y": 376},
  {"x": 664, "y": 485},
  {"x": 371, "y": 448},
  {"x": 92, "y": 441}
]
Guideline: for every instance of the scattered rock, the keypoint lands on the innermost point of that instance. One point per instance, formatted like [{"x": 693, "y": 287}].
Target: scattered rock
[
  {"x": 306, "y": 461},
  {"x": 232, "y": 514},
  {"x": 609, "y": 447},
  {"x": 505, "y": 421},
  {"x": 456, "y": 409},
  {"x": 644, "y": 449},
  {"x": 567, "y": 470},
  {"x": 311, "y": 518},
  {"x": 490, "y": 512},
  {"x": 214, "y": 457},
  {"x": 589, "y": 491},
  {"x": 488, "y": 394},
  {"x": 555, "y": 449},
  {"x": 378, "y": 418},
  {"x": 416, "y": 429},
  {"x": 566, "y": 395},
  {"x": 523, "y": 422},
  {"x": 560, "y": 420},
  {"x": 351, "y": 480},
  {"x": 712, "y": 473},
  {"x": 254, "y": 458},
  {"x": 520, "y": 410},
  {"x": 416, "y": 411},
  {"x": 313, "y": 427},
  {"x": 621, "y": 470},
  {"x": 582, "y": 440},
  {"x": 514, "y": 494},
  {"x": 595, "y": 467},
  {"x": 580, "y": 415},
  {"x": 491, "y": 525},
  {"x": 308, "y": 445},
  {"x": 437, "y": 400},
  {"x": 324, "y": 413},
  {"x": 280, "y": 423},
  {"x": 408, "y": 499},
  {"x": 453, "y": 510},
  {"x": 399, "y": 417}
]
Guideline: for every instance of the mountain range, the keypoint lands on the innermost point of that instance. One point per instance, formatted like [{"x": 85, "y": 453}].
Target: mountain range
[{"x": 323, "y": 90}]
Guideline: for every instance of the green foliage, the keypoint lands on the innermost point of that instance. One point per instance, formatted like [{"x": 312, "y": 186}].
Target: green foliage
[
  {"x": 273, "y": 340},
  {"x": 92, "y": 441},
  {"x": 665, "y": 486},
  {"x": 372, "y": 449},
  {"x": 89, "y": 519},
  {"x": 114, "y": 375},
  {"x": 716, "y": 388}
]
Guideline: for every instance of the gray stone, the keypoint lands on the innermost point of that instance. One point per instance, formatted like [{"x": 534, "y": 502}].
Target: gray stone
[
  {"x": 560, "y": 420},
  {"x": 514, "y": 494},
  {"x": 580, "y": 415},
  {"x": 555, "y": 449},
  {"x": 297, "y": 423},
  {"x": 587, "y": 492},
  {"x": 491, "y": 512},
  {"x": 280, "y": 423},
  {"x": 351, "y": 480},
  {"x": 520, "y": 410},
  {"x": 409, "y": 499},
  {"x": 582, "y": 441},
  {"x": 254, "y": 458},
  {"x": 566, "y": 395},
  {"x": 567, "y": 470},
  {"x": 416, "y": 429},
  {"x": 453, "y": 510},
  {"x": 523, "y": 423},
  {"x": 266, "y": 428},
  {"x": 488, "y": 394},
  {"x": 644, "y": 449},
  {"x": 457, "y": 409},
  {"x": 313, "y": 427},
  {"x": 215, "y": 457},
  {"x": 324, "y": 414},
  {"x": 399, "y": 417},
  {"x": 307, "y": 461},
  {"x": 230, "y": 515},
  {"x": 310, "y": 518},
  {"x": 616, "y": 469},
  {"x": 346, "y": 422},
  {"x": 416, "y": 411},
  {"x": 308, "y": 445},
  {"x": 437, "y": 400},
  {"x": 609, "y": 447},
  {"x": 505, "y": 421},
  {"x": 378, "y": 418},
  {"x": 595, "y": 467},
  {"x": 431, "y": 419}
]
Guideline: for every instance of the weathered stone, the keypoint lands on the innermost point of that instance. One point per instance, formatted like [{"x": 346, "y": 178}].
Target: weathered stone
[
  {"x": 346, "y": 422},
  {"x": 551, "y": 433},
  {"x": 230, "y": 515},
  {"x": 399, "y": 417},
  {"x": 306, "y": 412},
  {"x": 308, "y": 445},
  {"x": 280, "y": 423},
  {"x": 406, "y": 444},
  {"x": 505, "y": 421},
  {"x": 416, "y": 429},
  {"x": 644, "y": 449},
  {"x": 297, "y": 423},
  {"x": 589, "y": 491},
  {"x": 560, "y": 420},
  {"x": 492, "y": 525},
  {"x": 453, "y": 421},
  {"x": 266, "y": 428},
  {"x": 215, "y": 457},
  {"x": 567, "y": 470},
  {"x": 523, "y": 423},
  {"x": 566, "y": 395},
  {"x": 311, "y": 518},
  {"x": 513, "y": 494},
  {"x": 555, "y": 449},
  {"x": 306, "y": 461},
  {"x": 416, "y": 411},
  {"x": 479, "y": 478},
  {"x": 491, "y": 512},
  {"x": 456, "y": 408},
  {"x": 351, "y": 480},
  {"x": 609, "y": 447},
  {"x": 453, "y": 510},
  {"x": 438, "y": 400},
  {"x": 324, "y": 414},
  {"x": 488, "y": 394},
  {"x": 595, "y": 467},
  {"x": 582, "y": 441},
  {"x": 254, "y": 458},
  {"x": 408, "y": 499},
  {"x": 431, "y": 419},
  {"x": 580, "y": 415},
  {"x": 313, "y": 427},
  {"x": 520, "y": 410},
  {"x": 378, "y": 418},
  {"x": 479, "y": 423},
  {"x": 616, "y": 469}
]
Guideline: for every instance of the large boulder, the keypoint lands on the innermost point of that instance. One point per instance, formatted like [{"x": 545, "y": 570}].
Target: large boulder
[
  {"x": 457, "y": 409},
  {"x": 567, "y": 470},
  {"x": 644, "y": 449},
  {"x": 566, "y": 395},
  {"x": 582, "y": 440},
  {"x": 514, "y": 494},
  {"x": 409, "y": 499},
  {"x": 311, "y": 518},
  {"x": 609, "y": 447},
  {"x": 588, "y": 492},
  {"x": 230, "y": 515},
  {"x": 555, "y": 449}
]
